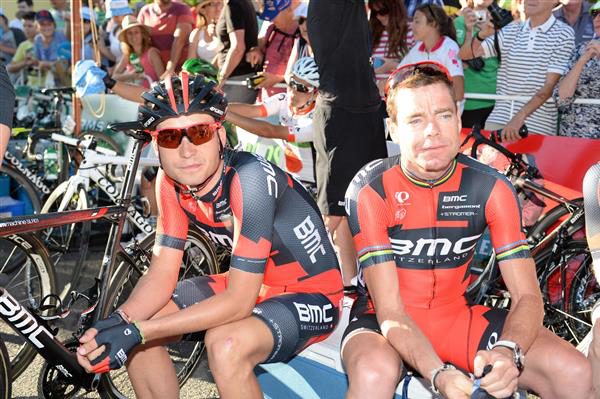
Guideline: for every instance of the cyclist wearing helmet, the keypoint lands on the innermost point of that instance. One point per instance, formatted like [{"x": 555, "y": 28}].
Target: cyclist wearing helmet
[
  {"x": 283, "y": 289},
  {"x": 295, "y": 110}
]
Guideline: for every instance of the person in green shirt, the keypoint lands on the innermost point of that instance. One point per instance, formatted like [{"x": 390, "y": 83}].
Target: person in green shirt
[
  {"x": 480, "y": 76},
  {"x": 24, "y": 61}
]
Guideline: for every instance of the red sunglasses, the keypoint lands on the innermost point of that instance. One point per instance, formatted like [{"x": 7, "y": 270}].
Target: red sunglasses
[
  {"x": 199, "y": 133},
  {"x": 428, "y": 68}
]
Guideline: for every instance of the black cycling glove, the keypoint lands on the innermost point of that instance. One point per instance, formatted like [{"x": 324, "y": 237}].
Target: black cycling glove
[
  {"x": 114, "y": 319},
  {"x": 119, "y": 341}
]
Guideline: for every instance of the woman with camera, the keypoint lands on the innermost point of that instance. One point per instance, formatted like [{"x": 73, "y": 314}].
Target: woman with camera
[
  {"x": 480, "y": 74},
  {"x": 581, "y": 120}
]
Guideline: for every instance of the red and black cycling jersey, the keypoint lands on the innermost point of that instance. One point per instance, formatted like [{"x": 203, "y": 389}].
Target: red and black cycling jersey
[
  {"x": 264, "y": 215},
  {"x": 430, "y": 228}
]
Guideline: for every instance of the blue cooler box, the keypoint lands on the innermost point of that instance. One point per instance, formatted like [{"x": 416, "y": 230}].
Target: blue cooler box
[{"x": 10, "y": 207}]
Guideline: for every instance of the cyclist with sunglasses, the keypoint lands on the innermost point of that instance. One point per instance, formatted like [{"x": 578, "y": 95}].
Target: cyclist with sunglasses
[
  {"x": 416, "y": 219},
  {"x": 295, "y": 110},
  {"x": 283, "y": 290}
]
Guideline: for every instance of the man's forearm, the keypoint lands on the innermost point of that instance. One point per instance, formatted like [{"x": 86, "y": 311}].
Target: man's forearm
[
  {"x": 15, "y": 67},
  {"x": 260, "y": 128},
  {"x": 217, "y": 310},
  {"x": 534, "y": 103},
  {"x": 524, "y": 321},
  {"x": 178, "y": 44},
  {"x": 410, "y": 342},
  {"x": 151, "y": 293},
  {"x": 233, "y": 58},
  {"x": 129, "y": 92}
]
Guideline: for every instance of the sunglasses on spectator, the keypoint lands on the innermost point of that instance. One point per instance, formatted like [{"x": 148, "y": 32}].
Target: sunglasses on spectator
[
  {"x": 299, "y": 86},
  {"x": 428, "y": 68},
  {"x": 301, "y": 20},
  {"x": 197, "y": 134},
  {"x": 595, "y": 13},
  {"x": 382, "y": 11}
]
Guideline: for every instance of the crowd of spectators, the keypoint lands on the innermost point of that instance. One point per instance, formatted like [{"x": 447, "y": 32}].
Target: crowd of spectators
[{"x": 548, "y": 53}]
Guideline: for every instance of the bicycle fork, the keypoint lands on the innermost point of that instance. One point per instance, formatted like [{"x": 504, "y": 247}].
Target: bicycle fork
[{"x": 35, "y": 331}]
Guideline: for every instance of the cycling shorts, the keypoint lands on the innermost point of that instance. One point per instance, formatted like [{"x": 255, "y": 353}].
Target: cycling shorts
[
  {"x": 296, "y": 320},
  {"x": 456, "y": 331}
]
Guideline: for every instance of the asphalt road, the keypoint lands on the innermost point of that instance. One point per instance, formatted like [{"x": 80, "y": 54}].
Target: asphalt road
[{"x": 200, "y": 385}]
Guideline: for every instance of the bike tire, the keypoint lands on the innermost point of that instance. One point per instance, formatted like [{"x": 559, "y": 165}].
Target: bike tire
[
  {"x": 583, "y": 293},
  {"x": 29, "y": 284},
  {"x": 22, "y": 187},
  {"x": 199, "y": 259},
  {"x": 554, "y": 319},
  {"x": 70, "y": 238},
  {"x": 5, "y": 373}
]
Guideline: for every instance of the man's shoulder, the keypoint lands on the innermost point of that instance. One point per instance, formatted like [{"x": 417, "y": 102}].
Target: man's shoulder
[
  {"x": 481, "y": 169},
  {"x": 179, "y": 9},
  {"x": 561, "y": 28},
  {"x": 369, "y": 173}
]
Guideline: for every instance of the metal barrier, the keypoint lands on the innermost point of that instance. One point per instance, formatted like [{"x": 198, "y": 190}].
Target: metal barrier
[{"x": 512, "y": 99}]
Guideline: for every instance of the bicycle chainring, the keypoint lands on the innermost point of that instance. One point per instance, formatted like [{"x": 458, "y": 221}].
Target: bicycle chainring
[{"x": 53, "y": 384}]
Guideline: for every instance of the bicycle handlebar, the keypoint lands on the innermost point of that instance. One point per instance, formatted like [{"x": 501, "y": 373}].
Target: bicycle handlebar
[
  {"x": 133, "y": 129},
  {"x": 34, "y": 136}
]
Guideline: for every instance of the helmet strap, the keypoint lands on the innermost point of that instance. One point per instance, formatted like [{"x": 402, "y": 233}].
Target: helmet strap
[{"x": 193, "y": 190}]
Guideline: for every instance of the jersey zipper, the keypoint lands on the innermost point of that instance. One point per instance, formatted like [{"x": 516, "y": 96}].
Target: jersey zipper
[{"x": 434, "y": 236}]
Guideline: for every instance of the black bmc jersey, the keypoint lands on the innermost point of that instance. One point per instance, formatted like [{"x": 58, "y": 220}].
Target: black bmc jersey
[
  {"x": 430, "y": 229},
  {"x": 265, "y": 216}
]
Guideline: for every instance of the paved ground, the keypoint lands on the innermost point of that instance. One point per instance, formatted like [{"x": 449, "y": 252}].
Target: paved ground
[{"x": 26, "y": 386}]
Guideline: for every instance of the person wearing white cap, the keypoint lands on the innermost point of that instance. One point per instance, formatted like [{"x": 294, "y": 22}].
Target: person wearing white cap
[{"x": 110, "y": 46}]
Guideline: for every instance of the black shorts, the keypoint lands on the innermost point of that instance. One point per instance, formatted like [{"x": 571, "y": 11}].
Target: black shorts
[
  {"x": 296, "y": 320},
  {"x": 344, "y": 142},
  {"x": 456, "y": 333}
]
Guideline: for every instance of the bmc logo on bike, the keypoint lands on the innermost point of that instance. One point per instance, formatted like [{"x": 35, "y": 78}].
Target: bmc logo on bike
[
  {"x": 21, "y": 319},
  {"x": 309, "y": 238},
  {"x": 313, "y": 313}
]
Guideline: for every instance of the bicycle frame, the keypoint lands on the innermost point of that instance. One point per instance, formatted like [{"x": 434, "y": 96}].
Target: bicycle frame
[
  {"x": 30, "y": 326},
  {"x": 88, "y": 171}
]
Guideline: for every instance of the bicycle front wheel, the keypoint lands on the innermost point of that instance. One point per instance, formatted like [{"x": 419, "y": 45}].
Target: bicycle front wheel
[
  {"x": 29, "y": 283},
  {"x": 199, "y": 258},
  {"x": 584, "y": 292},
  {"x": 5, "y": 373},
  {"x": 22, "y": 189}
]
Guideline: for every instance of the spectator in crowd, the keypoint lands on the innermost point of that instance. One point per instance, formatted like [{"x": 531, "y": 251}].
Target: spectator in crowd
[
  {"x": 533, "y": 57},
  {"x": 8, "y": 44},
  {"x": 204, "y": 42},
  {"x": 295, "y": 110},
  {"x": 170, "y": 25},
  {"x": 480, "y": 74},
  {"x": 581, "y": 120},
  {"x": 349, "y": 129},
  {"x": 517, "y": 9},
  {"x": 411, "y": 6},
  {"x": 24, "y": 62},
  {"x": 436, "y": 41},
  {"x": 109, "y": 45},
  {"x": 141, "y": 63},
  {"x": 7, "y": 101},
  {"x": 86, "y": 20},
  {"x": 238, "y": 31},
  {"x": 61, "y": 13},
  {"x": 275, "y": 45},
  {"x": 575, "y": 13},
  {"x": 47, "y": 42},
  {"x": 23, "y": 7},
  {"x": 389, "y": 26},
  {"x": 302, "y": 46}
]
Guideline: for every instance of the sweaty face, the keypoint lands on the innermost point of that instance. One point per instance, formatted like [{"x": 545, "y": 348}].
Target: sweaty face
[
  {"x": 189, "y": 164},
  {"x": 427, "y": 129}
]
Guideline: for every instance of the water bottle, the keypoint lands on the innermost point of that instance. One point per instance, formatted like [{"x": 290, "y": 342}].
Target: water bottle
[
  {"x": 135, "y": 61},
  {"x": 51, "y": 163}
]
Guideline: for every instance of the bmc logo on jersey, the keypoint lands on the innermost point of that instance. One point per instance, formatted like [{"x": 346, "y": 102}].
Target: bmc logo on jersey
[
  {"x": 454, "y": 198},
  {"x": 434, "y": 246},
  {"x": 310, "y": 238},
  {"x": 313, "y": 313}
]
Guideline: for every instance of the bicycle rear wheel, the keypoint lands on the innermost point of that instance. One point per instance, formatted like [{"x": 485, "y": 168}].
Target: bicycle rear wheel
[
  {"x": 29, "y": 284},
  {"x": 199, "y": 259},
  {"x": 584, "y": 292}
]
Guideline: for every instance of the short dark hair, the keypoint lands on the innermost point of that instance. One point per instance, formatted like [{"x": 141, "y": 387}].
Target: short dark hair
[
  {"x": 29, "y": 16},
  {"x": 28, "y": 2},
  {"x": 416, "y": 80},
  {"x": 4, "y": 18}
]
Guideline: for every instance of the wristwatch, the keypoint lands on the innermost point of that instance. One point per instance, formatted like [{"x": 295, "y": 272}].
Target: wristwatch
[{"x": 518, "y": 355}]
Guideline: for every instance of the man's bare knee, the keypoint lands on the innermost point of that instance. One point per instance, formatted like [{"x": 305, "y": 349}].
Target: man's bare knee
[{"x": 224, "y": 349}]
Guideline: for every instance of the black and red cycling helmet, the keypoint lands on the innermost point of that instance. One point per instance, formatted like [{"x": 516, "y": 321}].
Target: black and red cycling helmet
[{"x": 181, "y": 95}]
